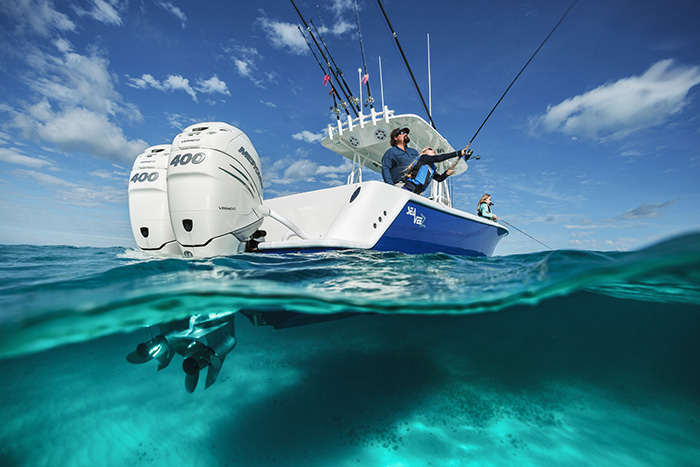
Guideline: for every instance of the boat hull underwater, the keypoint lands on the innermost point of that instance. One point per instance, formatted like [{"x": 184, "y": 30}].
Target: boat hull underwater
[{"x": 201, "y": 196}]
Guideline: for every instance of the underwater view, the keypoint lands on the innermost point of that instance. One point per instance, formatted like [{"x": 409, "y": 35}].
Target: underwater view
[{"x": 351, "y": 358}]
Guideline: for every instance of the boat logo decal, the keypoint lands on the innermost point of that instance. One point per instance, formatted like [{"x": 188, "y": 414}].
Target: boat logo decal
[
  {"x": 246, "y": 154},
  {"x": 418, "y": 219}
]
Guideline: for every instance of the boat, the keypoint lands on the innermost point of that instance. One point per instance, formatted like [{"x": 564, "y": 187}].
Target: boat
[{"x": 202, "y": 196}]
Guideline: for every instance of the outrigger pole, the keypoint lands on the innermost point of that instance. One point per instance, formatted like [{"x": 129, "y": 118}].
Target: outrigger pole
[
  {"x": 333, "y": 90},
  {"x": 415, "y": 83},
  {"x": 308, "y": 29}
]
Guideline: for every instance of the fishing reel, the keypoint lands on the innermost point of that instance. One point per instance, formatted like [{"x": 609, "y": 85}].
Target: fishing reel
[{"x": 468, "y": 155}]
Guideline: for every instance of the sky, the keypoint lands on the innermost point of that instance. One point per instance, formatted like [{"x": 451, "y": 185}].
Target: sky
[{"x": 596, "y": 146}]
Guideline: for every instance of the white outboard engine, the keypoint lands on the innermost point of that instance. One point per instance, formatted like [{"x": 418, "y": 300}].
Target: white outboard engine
[
  {"x": 148, "y": 202},
  {"x": 214, "y": 189}
]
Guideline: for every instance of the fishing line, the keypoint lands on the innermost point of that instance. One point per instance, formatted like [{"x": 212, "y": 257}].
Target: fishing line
[
  {"x": 525, "y": 233},
  {"x": 521, "y": 71}
]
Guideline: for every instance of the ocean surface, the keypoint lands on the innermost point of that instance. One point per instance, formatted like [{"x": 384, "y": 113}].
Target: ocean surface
[{"x": 556, "y": 358}]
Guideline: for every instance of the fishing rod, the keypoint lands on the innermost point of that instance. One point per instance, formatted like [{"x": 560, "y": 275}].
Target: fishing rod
[
  {"x": 501, "y": 219},
  {"x": 521, "y": 71},
  {"x": 333, "y": 90},
  {"x": 339, "y": 72},
  {"x": 308, "y": 29},
  {"x": 334, "y": 109},
  {"x": 370, "y": 100},
  {"x": 468, "y": 153},
  {"x": 415, "y": 83},
  {"x": 354, "y": 100}
]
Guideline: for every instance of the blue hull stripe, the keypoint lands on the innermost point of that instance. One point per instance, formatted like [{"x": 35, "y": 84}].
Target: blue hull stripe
[{"x": 421, "y": 229}]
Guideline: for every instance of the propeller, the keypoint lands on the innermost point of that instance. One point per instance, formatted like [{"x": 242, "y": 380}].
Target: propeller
[
  {"x": 154, "y": 349},
  {"x": 200, "y": 358}
]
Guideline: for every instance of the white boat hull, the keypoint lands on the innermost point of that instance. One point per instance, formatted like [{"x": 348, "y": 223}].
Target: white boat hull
[{"x": 376, "y": 216}]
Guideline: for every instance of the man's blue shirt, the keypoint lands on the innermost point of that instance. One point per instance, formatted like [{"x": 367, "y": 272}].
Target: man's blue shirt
[{"x": 395, "y": 162}]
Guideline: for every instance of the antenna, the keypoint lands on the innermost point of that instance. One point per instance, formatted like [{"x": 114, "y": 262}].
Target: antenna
[
  {"x": 381, "y": 80},
  {"x": 430, "y": 85}
]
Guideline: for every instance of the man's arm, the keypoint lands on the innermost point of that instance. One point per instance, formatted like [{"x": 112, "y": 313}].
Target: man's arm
[{"x": 388, "y": 163}]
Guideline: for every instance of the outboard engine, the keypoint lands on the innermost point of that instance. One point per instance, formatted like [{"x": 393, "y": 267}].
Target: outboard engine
[
  {"x": 214, "y": 189},
  {"x": 148, "y": 202}
]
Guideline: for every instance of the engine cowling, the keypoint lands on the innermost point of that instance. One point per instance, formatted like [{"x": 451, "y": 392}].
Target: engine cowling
[
  {"x": 214, "y": 189},
  {"x": 148, "y": 202}
]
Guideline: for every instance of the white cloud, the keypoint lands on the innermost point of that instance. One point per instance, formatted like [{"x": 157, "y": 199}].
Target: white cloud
[
  {"x": 176, "y": 11},
  {"x": 272, "y": 105},
  {"x": 109, "y": 175},
  {"x": 615, "y": 110},
  {"x": 300, "y": 170},
  {"x": 283, "y": 35},
  {"x": 75, "y": 105},
  {"x": 307, "y": 136},
  {"x": 75, "y": 194},
  {"x": 105, "y": 11},
  {"x": 38, "y": 16},
  {"x": 344, "y": 168},
  {"x": 144, "y": 82},
  {"x": 79, "y": 129},
  {"x": 13, "y": 157},
  {"x": 213, "y": 85},
  {"x": 176, "y": 83},
  {"x": 242, "y": 67}
]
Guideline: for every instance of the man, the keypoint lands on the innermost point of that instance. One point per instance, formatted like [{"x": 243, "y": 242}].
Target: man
[{"x": 398, "y": 157}]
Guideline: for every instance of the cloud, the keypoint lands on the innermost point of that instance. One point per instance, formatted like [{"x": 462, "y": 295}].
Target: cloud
[
  {"x": 646, "y": 211},
  {"x": 12, "y": 157},
  {"x": 72, "y": 103},
  {"x": 175, "y": 11},
  {"x": 272, "y": 105},
  {"x": 301, "y": 170},
  {"x": 109, "y": 175},
  {"x": 212, "y": 86},
  {"x": 75, "y": 194},
  {"x": 283, "y": 35},
  {"x": 79, "y": 129},
  {"x": 243, "y": 67},
  {"x": 307, "y": 136},
  {"x": 244, "y": 61},
  {"x": 178, "y": 83},
  {"x": 37, "y": 16},
  {"x": 105, "y": 11},
  {"x": 618, "y": 109}
]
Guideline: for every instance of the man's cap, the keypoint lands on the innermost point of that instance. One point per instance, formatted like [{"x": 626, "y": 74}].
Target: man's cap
[{"x": 396, "y": 131}]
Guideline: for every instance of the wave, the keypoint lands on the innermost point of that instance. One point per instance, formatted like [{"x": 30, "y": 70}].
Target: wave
[{"x": 53, "y": 295}]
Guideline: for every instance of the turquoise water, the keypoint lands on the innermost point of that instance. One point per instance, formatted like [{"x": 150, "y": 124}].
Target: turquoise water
[{"x": 553, "y": 358}]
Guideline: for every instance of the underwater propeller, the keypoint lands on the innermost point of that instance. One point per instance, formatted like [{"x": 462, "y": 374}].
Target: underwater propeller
[
  {"x": 156, "y": 349},
  {"x": 202, "y": 340},
  {"x": 200, "y": 358}
]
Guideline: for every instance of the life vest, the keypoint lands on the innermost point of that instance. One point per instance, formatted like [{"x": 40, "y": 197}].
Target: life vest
[
  {"x": 424, "y": 175},
  {"x": 488, "y": 208}
]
